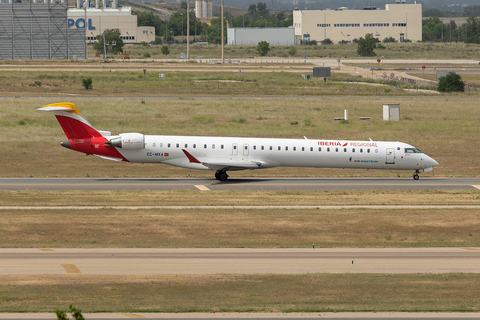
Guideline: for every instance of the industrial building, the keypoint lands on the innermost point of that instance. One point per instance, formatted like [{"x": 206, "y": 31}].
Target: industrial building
[
  {"x": 252, "y": 36},
  {"x": 103, "y": 16},
  {"x": 38, "y": 31},
  {"x": 401, "y": 21}
]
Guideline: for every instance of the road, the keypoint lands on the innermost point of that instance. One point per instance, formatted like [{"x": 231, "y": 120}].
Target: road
[
  {"x": 239, "y": 184},
  {"x": 124, "y": 261}
]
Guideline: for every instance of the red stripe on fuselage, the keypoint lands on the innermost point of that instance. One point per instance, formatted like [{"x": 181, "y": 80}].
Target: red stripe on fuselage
[{"x": 96, "y": 146}]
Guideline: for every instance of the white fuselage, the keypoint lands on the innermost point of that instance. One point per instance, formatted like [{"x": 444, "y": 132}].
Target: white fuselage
[{"x": 255, "y": 153}]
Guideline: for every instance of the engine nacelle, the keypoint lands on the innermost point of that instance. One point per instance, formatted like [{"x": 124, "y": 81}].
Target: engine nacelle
[{"x": 128, "y": 141}]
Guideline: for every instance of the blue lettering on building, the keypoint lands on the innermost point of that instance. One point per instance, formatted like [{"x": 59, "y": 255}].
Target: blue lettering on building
[{"x": 80, "y": 24}]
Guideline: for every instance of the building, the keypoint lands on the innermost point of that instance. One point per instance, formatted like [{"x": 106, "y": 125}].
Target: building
[
  {"x": 400, "y": 21},
  {"x": 97, "y": 20},
  {"x": 31, "y": 30},
  {"x": 252, "y": 36}
]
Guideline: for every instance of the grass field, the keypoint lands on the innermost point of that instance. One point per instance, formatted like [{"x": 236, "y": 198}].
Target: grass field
[
  {"x": 242, "y": 293},
  {"x": 267, "y": 80},
  {"x": 392, "y": 51}
]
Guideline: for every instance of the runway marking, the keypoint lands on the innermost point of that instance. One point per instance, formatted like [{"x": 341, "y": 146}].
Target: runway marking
[
  {"x": 45, "y": 249},
  {"x": 478, "y": 187},
  {"x": 70, "y": 268},
  {"x": 132, "y": 315},
  {"x": 473, "y": 249},
  {"x": 201, "y": 187}
]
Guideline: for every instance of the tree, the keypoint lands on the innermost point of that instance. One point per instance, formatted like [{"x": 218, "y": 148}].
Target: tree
[
  {"x": 263, "y": 48},
  {"x": 149, "y": 19},
  {"x": 165, "y": 50},
  {"x": 367, "y": 45},
  {"x": 111, "y": 36},
  {"x": 452, "y": 82}
]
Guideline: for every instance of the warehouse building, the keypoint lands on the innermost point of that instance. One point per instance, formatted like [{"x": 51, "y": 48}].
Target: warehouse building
[
  {"x": 38, "y": 31},
  {"x": 401, "y": 21},
  {"x": 252, "y": 36}
]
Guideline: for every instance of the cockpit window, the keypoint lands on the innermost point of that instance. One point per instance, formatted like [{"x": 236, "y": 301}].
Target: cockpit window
[{"x": 412, "y": 150}]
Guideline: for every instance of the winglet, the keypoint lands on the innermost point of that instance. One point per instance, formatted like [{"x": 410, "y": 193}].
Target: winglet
[{"x": 191, "y": 158}]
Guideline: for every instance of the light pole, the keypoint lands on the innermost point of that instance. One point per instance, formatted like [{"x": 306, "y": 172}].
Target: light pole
[{"x": 182, "y": 26}]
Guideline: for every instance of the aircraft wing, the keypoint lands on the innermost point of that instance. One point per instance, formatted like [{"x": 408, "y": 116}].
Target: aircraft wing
[{"x": 220, "y": 165}]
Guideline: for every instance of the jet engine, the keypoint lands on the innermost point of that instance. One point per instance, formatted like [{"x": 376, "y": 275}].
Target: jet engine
[{"x": 128, "y": 141}]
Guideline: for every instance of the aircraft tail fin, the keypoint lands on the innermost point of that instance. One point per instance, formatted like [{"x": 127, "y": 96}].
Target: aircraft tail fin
[{"x": 73, "y": 123}]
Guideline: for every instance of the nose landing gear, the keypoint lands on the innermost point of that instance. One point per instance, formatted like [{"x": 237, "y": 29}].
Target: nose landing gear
[
  {"x": 415, "y": 175},
  {"x": 221, "y": 175}
]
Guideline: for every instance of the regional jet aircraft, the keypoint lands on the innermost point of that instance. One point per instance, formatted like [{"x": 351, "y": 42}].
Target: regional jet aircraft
[{"x": 222, "y": 154}]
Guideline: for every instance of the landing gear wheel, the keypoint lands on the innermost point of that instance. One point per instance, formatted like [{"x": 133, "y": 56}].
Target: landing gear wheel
[
  {"x": 416, "y": 176},
  {"x": 221, "y": 175}
]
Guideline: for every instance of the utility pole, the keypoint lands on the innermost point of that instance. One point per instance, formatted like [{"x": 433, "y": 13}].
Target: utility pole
[
  {"x": 223, "y": 45},
  {"x": 188, "y": 29}
]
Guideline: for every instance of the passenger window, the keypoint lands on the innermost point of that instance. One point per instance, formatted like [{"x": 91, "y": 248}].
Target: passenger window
[
  {"x": 319, "y": 148},
  {"x": 246, "y": 147},
  {"x": 311, "y": 148},
  {"x": 161, "y": 145},
  {"x": 353, "y": 150},
  {"x": 279, "y": 148},
  {"x": 294, "y": 148},
  {"x": 344, "y": 149},
  {"x": 154, "y": 144},
  {"x": 254, "y": 147},
  {"x": 271, "y": 148},
  {"x": 213, "y": 146},
  {"x": 336, "y": 149},
  {"x": 376, "y": 150},
  {"x": 194, "y": 145},
  {"x": 168, "y": 145},
  {"x": 303, "y": 148},
  {"x": 178, "y": 145},
  {"x": 361, "y": 150},
  {"x": 205, "y": 146},
  {"x": 286, "y": 148},
  {"x": 234, "y": 147},
  {"x": 221, "y": 147},
  {"x": 328, "y": 149},
  {"x": 263, "y": 148},
  {"x": 186, "y": 145},
  {"x": 368, "y": 150}
]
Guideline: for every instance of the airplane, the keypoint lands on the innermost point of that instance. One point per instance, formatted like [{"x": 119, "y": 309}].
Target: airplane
[{"x": 222, "y": 154}]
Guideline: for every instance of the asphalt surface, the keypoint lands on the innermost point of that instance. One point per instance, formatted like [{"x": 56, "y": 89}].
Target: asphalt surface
[
  {"x": 257, "y": 316},
  {"x": 239, "y": 184},
  {"x": 115, "y": 261}
]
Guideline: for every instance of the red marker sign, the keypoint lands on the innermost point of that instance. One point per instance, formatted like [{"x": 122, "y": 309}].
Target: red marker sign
[
  {"x": 378, "y": 60},
  {"x": 423, "y": 67}
]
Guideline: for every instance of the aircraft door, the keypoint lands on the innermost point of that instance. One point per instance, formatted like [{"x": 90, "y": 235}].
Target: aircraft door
[
  {"x": 235, "y": 149},
  {"x": 390, "y": 156},
  {"x": 245, "y": 149}
]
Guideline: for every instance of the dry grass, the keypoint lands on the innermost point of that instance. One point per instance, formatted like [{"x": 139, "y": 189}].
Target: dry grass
[
  {"x": 236, "y": 198},
  {"x": 217, "y": 228},
  {"x": 445, "y": 129},
  {"x": 253, "y": 293}
]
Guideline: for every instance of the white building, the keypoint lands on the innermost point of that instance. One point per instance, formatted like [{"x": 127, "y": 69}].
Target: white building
[
  {"x": 96, "y": 20},
  {"x": 252, "y": 36},
  {"x": 400, "y": 21}
]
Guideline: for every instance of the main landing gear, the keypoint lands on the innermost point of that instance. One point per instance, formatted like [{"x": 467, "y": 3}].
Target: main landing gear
[
  {"x": 415, "y": 175},
  {"x": 221, "y": 175}
]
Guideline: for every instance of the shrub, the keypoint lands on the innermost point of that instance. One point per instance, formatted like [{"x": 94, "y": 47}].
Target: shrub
[
  {"x": 327, "y": 41},
  {"x": 146, "y": 55},
  {"x": 292, "y": 51},
  {"x": 165, "y": 50},
  {"x": 87, "y": 83}
]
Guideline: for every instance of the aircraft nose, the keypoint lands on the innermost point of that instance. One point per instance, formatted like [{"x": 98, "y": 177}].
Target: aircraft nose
[{"x": 433, "y": 162}]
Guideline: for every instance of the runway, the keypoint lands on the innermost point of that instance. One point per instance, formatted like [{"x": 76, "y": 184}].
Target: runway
[
  {"x": 239, "y": 184},
  {"x": 112, "y": 261}
]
